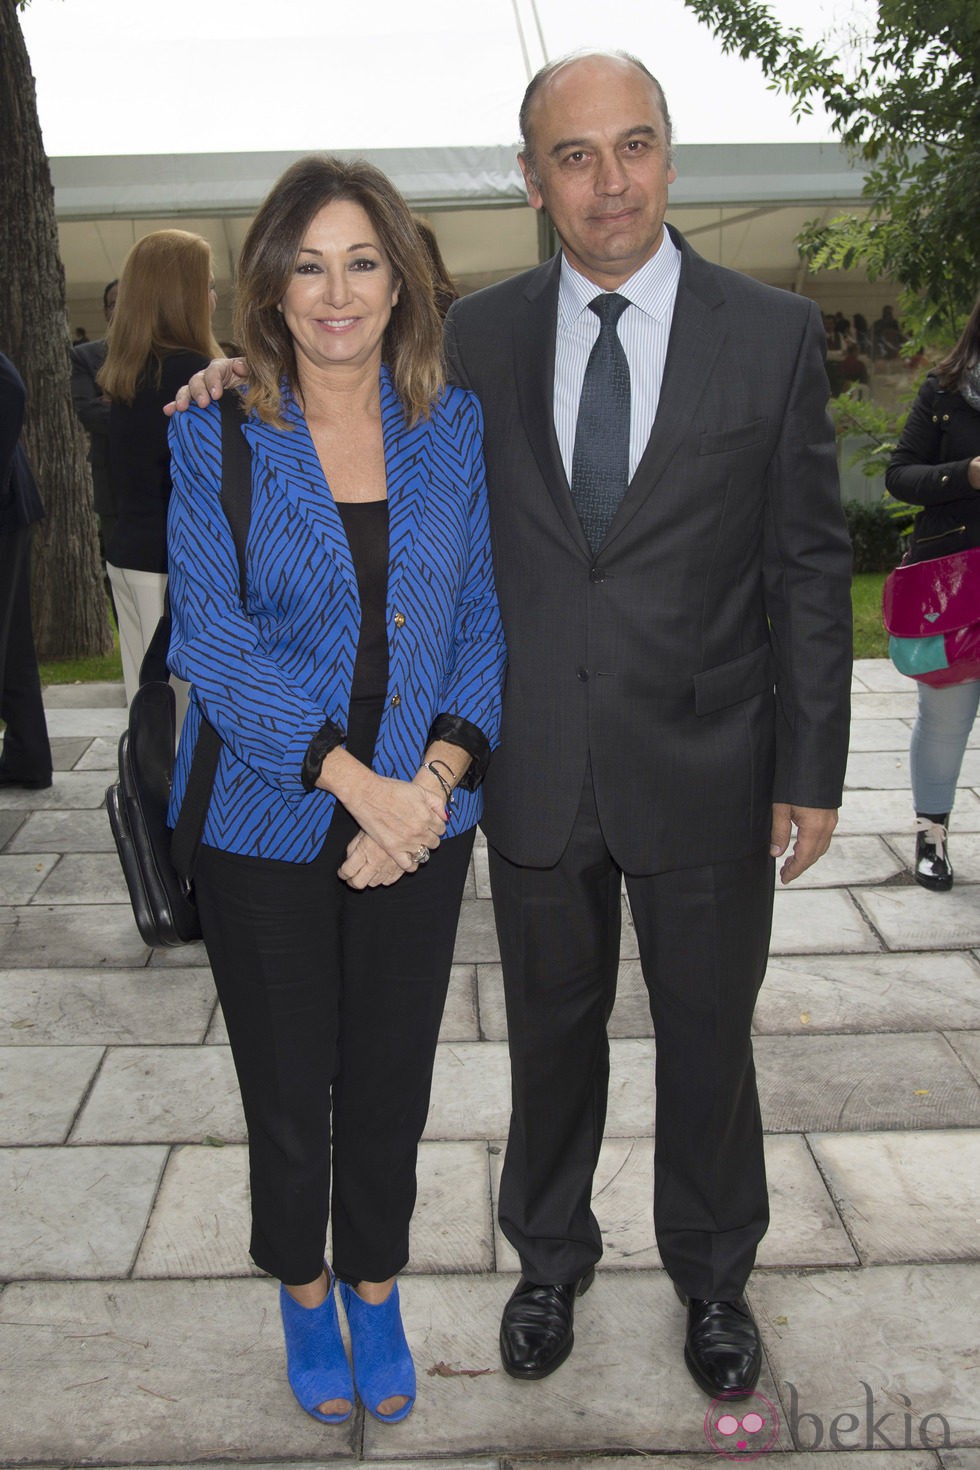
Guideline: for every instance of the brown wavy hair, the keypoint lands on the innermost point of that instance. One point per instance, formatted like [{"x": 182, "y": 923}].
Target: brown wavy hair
[
  {"x": 412, "y": 342},
  {"x": 162, "y": 307},
  {"x": 962, "y": 357}
]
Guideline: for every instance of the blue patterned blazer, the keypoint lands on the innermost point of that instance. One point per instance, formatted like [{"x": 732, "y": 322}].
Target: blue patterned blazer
[{"x": 269, "y": 680}]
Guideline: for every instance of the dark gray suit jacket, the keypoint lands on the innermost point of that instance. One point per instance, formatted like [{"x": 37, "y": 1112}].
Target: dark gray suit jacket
[{"x": 702, "y": 658}]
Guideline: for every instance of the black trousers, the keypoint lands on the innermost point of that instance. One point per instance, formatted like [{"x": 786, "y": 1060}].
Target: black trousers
[
  {"x": 333, "y": 1000},
  {"x": 703, "y": 937},
  {"x": 26, "y": 749}
]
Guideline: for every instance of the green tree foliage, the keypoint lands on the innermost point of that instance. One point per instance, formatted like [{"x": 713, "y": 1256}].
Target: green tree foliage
[{"x": 906, "y": 101}]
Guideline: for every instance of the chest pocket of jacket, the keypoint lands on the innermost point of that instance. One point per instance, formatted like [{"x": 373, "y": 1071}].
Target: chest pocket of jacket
[{"x": 743, "y": 436}]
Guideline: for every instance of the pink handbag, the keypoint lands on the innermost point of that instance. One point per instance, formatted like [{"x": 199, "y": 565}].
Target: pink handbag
[{"x": 931, "y": 609}]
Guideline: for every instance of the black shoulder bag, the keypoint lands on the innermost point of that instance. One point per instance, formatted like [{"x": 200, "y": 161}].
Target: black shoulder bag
[{"x": 159, "y": 865}]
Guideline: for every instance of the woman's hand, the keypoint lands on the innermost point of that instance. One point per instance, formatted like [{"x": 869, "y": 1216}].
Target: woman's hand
[
  {"x": 402, "y": 817},
  {"x": 209, "y": 383},
  {"x": 367, "y": 865}
]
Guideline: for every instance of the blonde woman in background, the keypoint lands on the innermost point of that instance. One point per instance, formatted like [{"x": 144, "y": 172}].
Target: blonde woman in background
[{"x": 160, "y": 333}]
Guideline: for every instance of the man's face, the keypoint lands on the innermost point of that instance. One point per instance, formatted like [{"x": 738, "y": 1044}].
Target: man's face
[
  {"x": 109, "y": 305},
  {"x": 601, "y": 159}
]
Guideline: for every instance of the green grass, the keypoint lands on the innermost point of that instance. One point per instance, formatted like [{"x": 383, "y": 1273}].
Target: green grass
[{"x": 870, "y": 638}]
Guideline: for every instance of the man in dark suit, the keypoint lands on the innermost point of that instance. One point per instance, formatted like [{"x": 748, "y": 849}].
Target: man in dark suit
[
  {"x": 673, "y": 571},
  {"x": 92, "y": 407}
]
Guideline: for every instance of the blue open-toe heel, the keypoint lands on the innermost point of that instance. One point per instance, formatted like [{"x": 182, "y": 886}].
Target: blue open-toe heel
[
  {"x": 316, "y": 1362},
  {"x": 383, "y": 1366}
]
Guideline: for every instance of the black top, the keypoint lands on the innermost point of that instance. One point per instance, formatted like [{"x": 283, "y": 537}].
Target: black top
[
  {"x": 139, "y": 467},
  {"x": 931, "y": 467},
  {"x": 366, "y": 526},
  {"x": 20, "y": 503}
]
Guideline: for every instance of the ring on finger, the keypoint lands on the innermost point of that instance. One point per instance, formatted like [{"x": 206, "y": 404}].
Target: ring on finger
[{"x": 421, "y": 856}]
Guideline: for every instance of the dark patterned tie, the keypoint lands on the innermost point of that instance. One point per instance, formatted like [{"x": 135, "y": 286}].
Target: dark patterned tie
[{"x": 601, "y": 458}]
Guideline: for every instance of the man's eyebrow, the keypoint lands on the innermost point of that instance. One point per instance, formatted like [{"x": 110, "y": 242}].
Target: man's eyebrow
[{"x": 642, "y": 130}]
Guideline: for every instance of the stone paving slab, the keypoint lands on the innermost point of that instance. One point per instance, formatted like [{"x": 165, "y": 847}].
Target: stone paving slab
[
  {"x": 880, "y": 735},
  {"x": 913, "y": 918},
  {"x": 103, "y": 1007},
  {"x": 874, "y": 992},
  {"x": 805, "y": 1228},
  {"x": 84, "y": 878},
  {"x": 818, "y": 921},
  {"x": 62, "y": 832},
  {"x": 909, "y": 1333},
  {"x": 42, "y": 936},
  {"x": 102, "y": 754},
  {"x": 896, "y": 705},
  {"x": 966, "y": 1045},
  {"x": 147, "y": 1371},
  {"x": 905, "y": 1196},
  {"x": 67, "y": 751},
  {"x": 22, "y": 876},
  {"x": 10, "y": 823},
  {"x": 74, "y": 1212},
  {"x": 184, "y": 956},
  {"x": 624, "y": 1387},
  {"x": 41, "y": 1090},
  {"x": 778, "y": 1460},
  {"x": 100, "y": 694},
  {"x": 91, "y": 723},
  {"x": 858, "y": 1083},
  {"x": 71, "y": 790},
  {"x": 879, "y": 770},
  {"x": 960, "y": 1459},
  {"x": 160, "y": 1094},
  {"x": 851, "y": 860},
  {"x": 891, "y": 811},
  {"x": 881, "y": 675}
]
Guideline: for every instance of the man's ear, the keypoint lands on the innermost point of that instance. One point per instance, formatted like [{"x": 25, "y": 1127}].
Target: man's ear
[{"x": 533, "y": 192}]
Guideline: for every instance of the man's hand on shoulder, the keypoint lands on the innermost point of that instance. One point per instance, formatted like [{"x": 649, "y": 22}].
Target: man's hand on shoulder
[
  {"x": 210, "y": 383},
  {"x": 814, "y": 829}
]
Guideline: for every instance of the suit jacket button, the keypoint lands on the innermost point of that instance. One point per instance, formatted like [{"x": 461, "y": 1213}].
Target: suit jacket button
[
  {"x": 396, "y": 700},
  {"x": 583, "y": 674},
  {"x": 595, "y": 575},
  {"x": 399, "y": 620}
]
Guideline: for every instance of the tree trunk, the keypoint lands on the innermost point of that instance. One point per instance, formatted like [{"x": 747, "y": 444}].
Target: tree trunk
[{"x": 70, "y": 613}]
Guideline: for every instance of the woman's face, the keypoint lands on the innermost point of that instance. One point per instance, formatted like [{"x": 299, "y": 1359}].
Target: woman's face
[{"x": 339, "y": 299}]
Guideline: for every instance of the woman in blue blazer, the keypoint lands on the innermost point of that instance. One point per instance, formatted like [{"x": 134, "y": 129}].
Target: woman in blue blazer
[{"x": 357, "y": 695}]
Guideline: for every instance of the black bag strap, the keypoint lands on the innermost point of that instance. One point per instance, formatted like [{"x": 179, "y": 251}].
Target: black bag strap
[{"x": 236, "y": 502}]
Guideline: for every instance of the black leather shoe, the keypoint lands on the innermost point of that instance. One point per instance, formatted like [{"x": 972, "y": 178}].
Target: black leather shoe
[
  {"x": 722, "y": 1349},
  {"x": 933, "y": 868},
  {"x": 536, "y": 1329}
]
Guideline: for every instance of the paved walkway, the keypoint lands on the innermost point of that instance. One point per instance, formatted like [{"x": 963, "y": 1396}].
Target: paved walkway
[{"x": 132, "y": 1331}]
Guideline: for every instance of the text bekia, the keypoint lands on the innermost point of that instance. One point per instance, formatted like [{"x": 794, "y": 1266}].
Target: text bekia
[{"x": 894, "y": 1429}]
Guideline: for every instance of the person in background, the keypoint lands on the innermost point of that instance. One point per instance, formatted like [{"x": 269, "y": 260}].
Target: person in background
[
  {"x": 25, "y": 755},
  {"x": 886, "y": 335},
  {"x": 159, "y": 333},
  {"x": 443, "y": 286},
  {"x": 937, "y": 465},
  {"x": 357, "y": 694},
  {"x": 92, "y": 407},
  {"x": 850, "y": 368}
]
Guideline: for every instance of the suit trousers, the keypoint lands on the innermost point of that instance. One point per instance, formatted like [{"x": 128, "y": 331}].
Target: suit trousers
[
  {"x": 26, "y": 748},
  {"x": 703, "y": 936},
  {"x": 333, "y": 1000}
]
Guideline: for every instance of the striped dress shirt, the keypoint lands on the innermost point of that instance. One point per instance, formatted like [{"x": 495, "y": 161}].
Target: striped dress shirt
[{"x": 643, "y": 333}]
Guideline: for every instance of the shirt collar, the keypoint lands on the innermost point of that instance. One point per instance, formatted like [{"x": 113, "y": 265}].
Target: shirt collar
[{"x": 652, "y": 288}]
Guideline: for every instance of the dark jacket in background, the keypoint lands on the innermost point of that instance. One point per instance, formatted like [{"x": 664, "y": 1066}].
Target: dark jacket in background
[
  {"x": 20, "y": 502},
  {"x": 139, "y": 467},
  {"x": 930, "y": 467},
  {"x": 93, "y": 411}
]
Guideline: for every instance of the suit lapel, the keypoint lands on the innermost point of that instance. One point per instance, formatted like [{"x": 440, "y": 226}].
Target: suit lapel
[
  {"x": 535, "y": 331},
  {"x": 692, "y": 350}
]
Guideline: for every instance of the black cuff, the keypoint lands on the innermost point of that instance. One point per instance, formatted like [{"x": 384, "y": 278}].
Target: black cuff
[
  {"x": 326, "y": 739},
  {"x": 469, "y": 737}
]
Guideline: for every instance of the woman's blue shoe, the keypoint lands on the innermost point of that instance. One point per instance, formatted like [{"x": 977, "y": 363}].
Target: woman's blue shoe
[
  {"x": 316, "y": 1363},
  {"x": 383, "y": 1367}
]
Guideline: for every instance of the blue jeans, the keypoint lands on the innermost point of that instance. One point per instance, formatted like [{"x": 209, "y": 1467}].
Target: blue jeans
[{"x": 939, "y": 739}]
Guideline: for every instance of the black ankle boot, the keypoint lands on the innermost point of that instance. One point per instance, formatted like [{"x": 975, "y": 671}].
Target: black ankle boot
[{"x": 933, "y": 868}]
